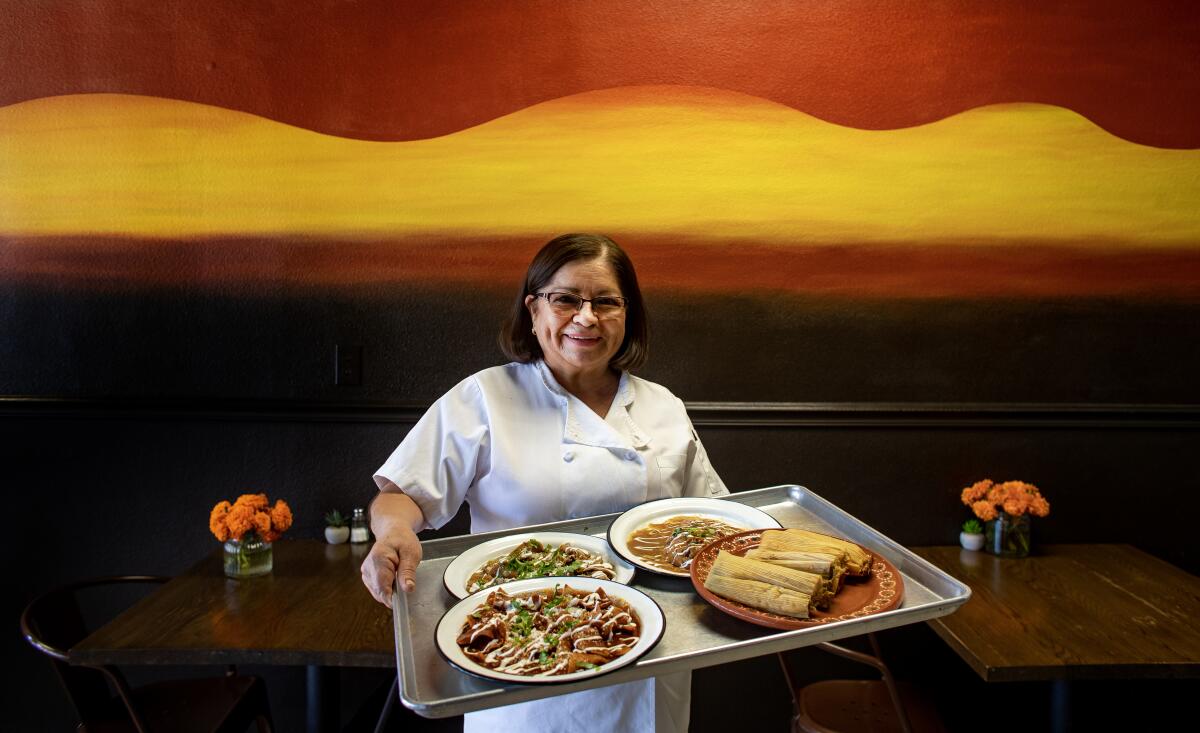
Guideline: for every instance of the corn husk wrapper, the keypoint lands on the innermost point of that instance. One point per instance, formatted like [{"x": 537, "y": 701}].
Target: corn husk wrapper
[
  {"x": 810, "y": 562},
  {"x": 760, "y": 595},
  {"x": 853, "y": 558},
  {"x": 813, "y": 585},
  {"x": 821, "y": 563}
]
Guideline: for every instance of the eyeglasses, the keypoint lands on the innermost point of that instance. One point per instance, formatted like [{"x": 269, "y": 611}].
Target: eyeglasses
[{"x": 568, "y": 304}]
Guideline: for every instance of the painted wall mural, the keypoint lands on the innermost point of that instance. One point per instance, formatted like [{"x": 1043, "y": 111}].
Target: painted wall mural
[{"x": 904, "y": 185}]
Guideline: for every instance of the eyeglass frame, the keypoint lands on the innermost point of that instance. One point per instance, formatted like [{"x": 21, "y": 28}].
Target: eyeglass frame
[{"x": 579, "y": 309}]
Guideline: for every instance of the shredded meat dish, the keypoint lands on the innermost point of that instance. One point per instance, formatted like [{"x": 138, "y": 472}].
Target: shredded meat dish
[
  {"x": 533, "y": 559},
  {"x": 548, "y": 632}
]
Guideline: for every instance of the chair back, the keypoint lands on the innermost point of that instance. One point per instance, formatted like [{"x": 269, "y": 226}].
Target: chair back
[{"x": 53, "y": 623}]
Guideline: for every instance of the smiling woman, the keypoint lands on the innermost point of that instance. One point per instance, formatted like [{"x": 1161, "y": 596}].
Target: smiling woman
[
  {"x": 564, "y": 431},
  {"x": 578, "y": 343},
  {"x": 580, "y": 310}
]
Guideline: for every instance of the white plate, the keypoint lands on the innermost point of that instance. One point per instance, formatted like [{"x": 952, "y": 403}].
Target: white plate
[
  {"x": 461, "y": 568},
  {"x": 651, "y": 616},
  {"x": 739, "y": 515}
]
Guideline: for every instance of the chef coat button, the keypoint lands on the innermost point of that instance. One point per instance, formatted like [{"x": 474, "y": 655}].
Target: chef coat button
[
  {"x": 630, "y": 455},
  {"x": 568, "y": 456}
]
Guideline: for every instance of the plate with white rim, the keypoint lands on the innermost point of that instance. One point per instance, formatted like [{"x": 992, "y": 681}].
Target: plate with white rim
[
  {"x": 458, "y": 573},
  {"x": 664, "y": 513},
  {"x": 547, "y": 653}
]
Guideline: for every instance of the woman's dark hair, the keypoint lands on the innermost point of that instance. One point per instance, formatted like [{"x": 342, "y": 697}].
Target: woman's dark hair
[{"x": 517, "y": 340}]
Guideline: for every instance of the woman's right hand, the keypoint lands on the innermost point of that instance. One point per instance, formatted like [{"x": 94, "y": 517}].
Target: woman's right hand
[
  {"x": 390, "y": 557},
  {"x": 397, "y": 551}
]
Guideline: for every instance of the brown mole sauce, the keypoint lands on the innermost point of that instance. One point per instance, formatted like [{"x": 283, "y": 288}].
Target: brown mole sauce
[{"x": 672, "y": 544}]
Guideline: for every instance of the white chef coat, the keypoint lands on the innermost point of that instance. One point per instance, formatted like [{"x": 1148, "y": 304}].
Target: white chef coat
[{"x": 522, "y": 450}]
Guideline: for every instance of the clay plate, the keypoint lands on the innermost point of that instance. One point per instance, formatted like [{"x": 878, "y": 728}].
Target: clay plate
[{"x": 881, "y": 591}]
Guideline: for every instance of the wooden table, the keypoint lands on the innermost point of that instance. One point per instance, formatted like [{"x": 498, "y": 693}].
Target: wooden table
[
  {"x": 1072, "y": 612},
  {"x": 312, "y": 610}
]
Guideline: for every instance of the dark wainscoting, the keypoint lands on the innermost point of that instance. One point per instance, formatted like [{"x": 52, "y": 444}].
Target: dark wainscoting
[{"x": 99, "y": 487}]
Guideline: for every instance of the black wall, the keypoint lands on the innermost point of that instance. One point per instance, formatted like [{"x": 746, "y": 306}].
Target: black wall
[{"x": 129, "y": 414}]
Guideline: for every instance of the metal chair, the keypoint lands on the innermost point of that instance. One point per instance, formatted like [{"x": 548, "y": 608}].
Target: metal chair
[
  {"x": 53, "y": 623},
  {"x": 848, "y": 706}
]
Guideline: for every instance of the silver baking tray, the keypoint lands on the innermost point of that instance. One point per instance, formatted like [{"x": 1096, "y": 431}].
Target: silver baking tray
[{"x": 697, "y": 635}]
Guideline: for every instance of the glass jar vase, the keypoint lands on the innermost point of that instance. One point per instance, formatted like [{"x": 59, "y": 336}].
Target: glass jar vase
[
  {"x": 247, "y": 557},
  {"x": 1008, "y": 535}
]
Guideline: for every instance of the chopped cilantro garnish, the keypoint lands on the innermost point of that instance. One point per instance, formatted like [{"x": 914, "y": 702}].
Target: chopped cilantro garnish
[{"x": 523, "y": 624}]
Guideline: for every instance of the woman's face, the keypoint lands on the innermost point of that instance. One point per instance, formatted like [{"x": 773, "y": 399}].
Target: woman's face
[{"x": 578, "y": 343}]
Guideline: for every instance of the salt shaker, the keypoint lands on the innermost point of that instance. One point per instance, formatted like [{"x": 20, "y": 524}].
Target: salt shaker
[{"x": 358, "y": 526}]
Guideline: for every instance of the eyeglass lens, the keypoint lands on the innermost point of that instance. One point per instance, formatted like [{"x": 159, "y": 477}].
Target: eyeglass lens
[{"x": 571, "y": 303}]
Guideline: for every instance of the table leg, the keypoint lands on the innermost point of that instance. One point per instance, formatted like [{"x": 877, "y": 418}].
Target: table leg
[
  {"x": 1060, "y": 706},
  {"x": 322, "y": 699}
]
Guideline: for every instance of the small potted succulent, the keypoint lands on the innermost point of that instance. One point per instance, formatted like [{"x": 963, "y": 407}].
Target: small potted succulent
[
  {"x": 971, "y": 537},
  {"x": 337, "y": 528}
]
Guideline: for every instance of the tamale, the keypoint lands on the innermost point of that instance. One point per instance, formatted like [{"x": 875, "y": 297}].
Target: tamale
[
  {"x": 824, "y": 564},
  {"x": 760, "y": 595},
  {"x": 816, "y": 587},
  {"x": 810, "y": 562},
  {"x": 856, "y": 560}
]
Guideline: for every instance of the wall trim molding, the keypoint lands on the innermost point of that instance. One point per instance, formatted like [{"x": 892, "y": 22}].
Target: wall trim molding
[{"x": 704, "y": 414}]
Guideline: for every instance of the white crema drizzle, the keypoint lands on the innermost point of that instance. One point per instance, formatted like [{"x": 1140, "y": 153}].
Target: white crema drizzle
[{"x": 529, "y": 639}]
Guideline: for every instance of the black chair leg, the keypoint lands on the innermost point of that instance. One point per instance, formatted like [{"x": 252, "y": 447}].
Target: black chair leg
[{"x": 386, "y": 712}]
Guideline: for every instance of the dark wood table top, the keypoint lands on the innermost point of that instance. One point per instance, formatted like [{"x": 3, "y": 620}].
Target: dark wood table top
[
  {"x": 312, "y": 609},
  {"x": 1072, "y": 612}
]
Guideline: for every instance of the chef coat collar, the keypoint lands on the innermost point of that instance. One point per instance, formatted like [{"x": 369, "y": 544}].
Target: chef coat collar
[{"x": 582, "y": 425}]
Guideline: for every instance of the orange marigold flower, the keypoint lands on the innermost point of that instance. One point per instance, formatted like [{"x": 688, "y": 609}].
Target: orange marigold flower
[
  {"x": 216, "y": 521},
  {"x": 998, "y": 493},
  {"x": 1014, "y": 506},
  {"x": 240, "y": 520},
  {"x": 254, "y": 501},
  {"x": 985, "y": 510},
  {"x": 987, "y": 499},
  {"x": 281, "y": 515},
  {"x": 976, "y": 491},
  {"x": 262, "y": 523},
  {"x": 250, "y": 513},
  {"x": 1023, "y": 488}
]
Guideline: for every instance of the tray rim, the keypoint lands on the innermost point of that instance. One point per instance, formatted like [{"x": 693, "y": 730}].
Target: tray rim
[{"x": 948, "y": 595}]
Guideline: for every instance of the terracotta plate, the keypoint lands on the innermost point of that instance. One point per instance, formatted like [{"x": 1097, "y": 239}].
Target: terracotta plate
[{"x": 881, "y": 591}]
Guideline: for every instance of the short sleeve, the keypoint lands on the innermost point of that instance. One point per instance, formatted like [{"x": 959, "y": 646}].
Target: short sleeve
[{"x": 439, "y": 460}]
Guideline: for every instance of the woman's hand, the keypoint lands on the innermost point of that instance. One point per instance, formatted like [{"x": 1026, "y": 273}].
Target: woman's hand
[
  {"x": 389, "y": 558},
  {"x": 397, "y": 551}
]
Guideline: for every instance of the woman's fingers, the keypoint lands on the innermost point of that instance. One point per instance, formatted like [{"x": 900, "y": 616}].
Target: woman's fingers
[
  {"x": 410, "y": 556},
  {"x": 389, "y": 560},
  {"x": 379, "y": 572},
  {"x": 408, "y": 573}
]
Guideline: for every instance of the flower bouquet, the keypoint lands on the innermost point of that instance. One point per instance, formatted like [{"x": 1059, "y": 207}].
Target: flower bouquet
[
  {"x": 248, "y": 526},
  {"x": 1005, "y": 509}
]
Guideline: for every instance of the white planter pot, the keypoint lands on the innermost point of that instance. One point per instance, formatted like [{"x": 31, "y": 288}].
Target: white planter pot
[
  {"x": 338, "y": 535},
  {"x": 969, "y": 541}
]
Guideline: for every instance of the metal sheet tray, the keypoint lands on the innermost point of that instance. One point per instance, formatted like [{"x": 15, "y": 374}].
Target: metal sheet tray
[{"x": 697, "y": 635}]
